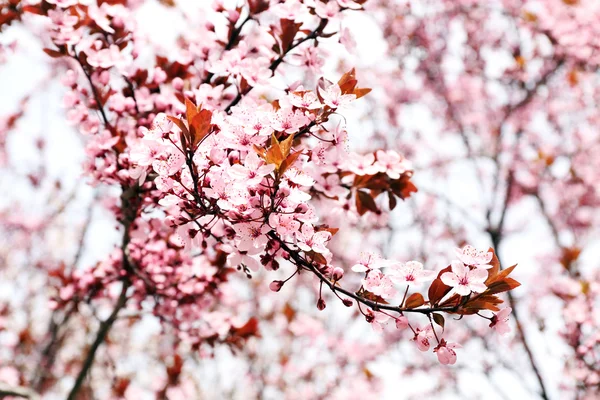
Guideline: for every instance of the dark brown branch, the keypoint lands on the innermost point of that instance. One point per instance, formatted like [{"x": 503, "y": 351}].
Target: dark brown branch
[
  {"x": 105, "y": 327},
  {"x": 94, "y": 91},
  {"x": 304, "y": 264}
]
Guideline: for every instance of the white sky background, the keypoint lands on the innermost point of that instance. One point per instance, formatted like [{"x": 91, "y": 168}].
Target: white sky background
[{"x": 45, "y": 117}]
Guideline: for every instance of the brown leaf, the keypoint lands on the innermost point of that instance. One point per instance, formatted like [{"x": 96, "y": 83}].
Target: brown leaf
[
  {"x": 348, "y": 82},
  {"x": 190, "y": 110},
  {"x": 483, "y": 302},
  {"x": 274, "y": 154},
  {"x": 392, "y": 202},
  {"x": 503, "y": 285},
  {"x": 249, "y": 329},
  {"x": 371, "y": 296},
  {"x": 289, "y": 161},
  {"x": 53, "y": 53},
  {"x": 364, "y": 203},
  {"x": 200, "y": 126},
  {"x": 286, "y": 145},
  {"x": 439, "y": 319},
  {"x": 495, "y": 263},
  {"x": 414, "y": 300},
  {"x": 289, "y": 29},
  {"x": 438, "y": 289},
  {"x": 361, "y": 92}
]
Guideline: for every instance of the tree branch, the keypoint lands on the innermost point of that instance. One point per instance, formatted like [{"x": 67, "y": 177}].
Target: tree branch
[{"x": 105, "y": 327}]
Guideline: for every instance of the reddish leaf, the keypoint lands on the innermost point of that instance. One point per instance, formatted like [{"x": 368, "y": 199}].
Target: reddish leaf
[
  {"x": 414, "y": 300},
  {"x": 289, "y": 29},
  {"x": 361, "y": 92},
  {"x": 439, "y": 319},
  {"x": 483, "y": 302},
  {"x": 289, "y": 161},
  {"x": 503, "y": 285},
  {"x": 392, "y": 200},
  {"x": 495, "y": 263},
  {"x": 364, "y": 202},
  {"x": 348, "y": 82},
  {"x": 371, "y": 296},
  {"x": 200, "y": 126},
  {"x": 249, "y": 329},
  {"x": 438, "y": 289},
  {"x": 53, "y": 53}
]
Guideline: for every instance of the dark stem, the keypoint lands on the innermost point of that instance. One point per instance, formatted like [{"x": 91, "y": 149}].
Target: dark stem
[
  {"x": 105, "y": 327},
  {"x": 94, "y": 91},
  {"x": 496, "y": 240}
]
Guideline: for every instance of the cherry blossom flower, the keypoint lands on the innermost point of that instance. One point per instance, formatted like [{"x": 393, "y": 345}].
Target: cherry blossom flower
[
  {"x": 500, "y": 321},
  {"x": 423, "y": 337},
  {"x": 379, "y": 284},
  {"x": 445, "y": 352},
  {"x": 252, "y": 235},
  {"x": 286, "y": 120},
  {"x": 412, "y": 273},
  {"x": 392, "y": 163},
  {"x": 362, "y": 165},
  {"x": 308, "y": 100},
  {"x": 333, "y": 97},
  {"x": 309, "y": 240},
  {"x": 368, "y": 261},
  {"x": 330, "y": 186},
  {"x": 378, "y": 320},
  {"x": 464, "y": 280},
  {"x": 328, "y": 10},
  {"x": 477, "y": 258},
  {"x": 252, "y": 171}
]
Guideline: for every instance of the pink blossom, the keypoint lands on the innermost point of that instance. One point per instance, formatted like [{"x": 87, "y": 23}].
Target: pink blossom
[
  {"x": 362, "y": 165},
  {"x": 328, "y": 10},
  {"x": 465, "y": 280},
  {"x": 333, "y": 97},
  {"x": 330, "y": 186},
  {"x": 367, "y": 262},
  {"x": 378, "y": 320},
  {"x": 252, "y": 171},
  {"x": 423, "y": 337},
  {"x": 471, "y": 256},
  {"x": 392, "y": 163},
  {"x": 308, "y": 100},
  {"x": 445, "y": 352},
  {"x": 309, "y": 240},
  {"x": 412, "y": 273},
  {"x": 379, "y": 284},
  {"x": 500, "y": 321},
  {"x": 286, "y": 120}
]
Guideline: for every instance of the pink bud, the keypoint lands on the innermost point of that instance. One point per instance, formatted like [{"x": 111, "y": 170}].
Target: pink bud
[
  {"x": 276, "y": 286},
  {"x": 337, "y": 274},
  {"x": 321, "y": 304}
]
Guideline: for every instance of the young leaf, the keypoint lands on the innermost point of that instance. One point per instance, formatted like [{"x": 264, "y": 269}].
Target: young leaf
[
  {"x": 414, "y": 300},
  {"x": 364, "y": 202},
  {"x": 439, "y": 319}
]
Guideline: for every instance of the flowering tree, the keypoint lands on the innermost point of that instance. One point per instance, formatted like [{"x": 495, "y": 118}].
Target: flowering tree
[{"x": 226, "y": 154}]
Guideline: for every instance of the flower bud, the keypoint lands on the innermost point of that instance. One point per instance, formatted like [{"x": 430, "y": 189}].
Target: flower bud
[
  {"x": 321, "y": 304},
  {"x": 276, "y": 286},
  {"x": 347, "y": 302}
]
